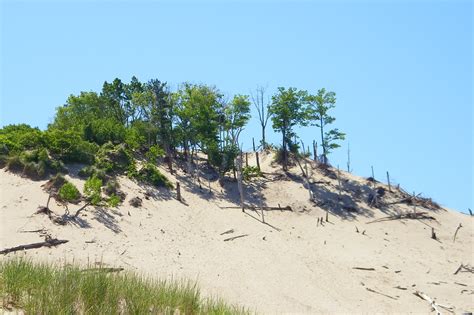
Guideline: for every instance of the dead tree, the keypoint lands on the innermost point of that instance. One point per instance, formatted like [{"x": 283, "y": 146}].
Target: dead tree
[{"x": 261, "y": 104}]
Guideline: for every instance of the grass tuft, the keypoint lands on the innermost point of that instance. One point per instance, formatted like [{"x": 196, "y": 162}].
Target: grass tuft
[{"x": 39, "y": 288}]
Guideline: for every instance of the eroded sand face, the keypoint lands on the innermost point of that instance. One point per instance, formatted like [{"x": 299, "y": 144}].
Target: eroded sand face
[{"x": 292, "y": 265}]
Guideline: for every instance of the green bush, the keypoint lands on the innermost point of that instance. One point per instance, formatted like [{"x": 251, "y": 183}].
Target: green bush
[
  {"x": 92, "y": 188},
  {"x": 249, "y": 172},
  {"x": 34, "y": 164},
  {"x": 113, "y": 159},
  {"x": 68, "y": 145},
  {"x": 151, "y": 175},
  {"x": 114, "y": 201},
  {"x": 154, "y": 153},
  {"x": 17, "y": 138},
  {"x": 68, "y": 192},
  {"x": 104, "y": 130},
  {"x": 91, "y": 170}
]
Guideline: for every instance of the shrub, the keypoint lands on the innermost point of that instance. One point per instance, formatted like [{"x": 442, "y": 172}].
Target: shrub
[
  {"x": 114, "y": 201},
  {"x": 17, "y": 138},
  {"x": 68, "y": 192},
  {"x": 248, "y": 172},
  {"x": 154, "y": 153},
  {"x": 68, "y": 145},
  {"x": 91, "y": 170},
  {"x": 104, "y": 130},
  {"x": 34, "y": 164},
  {"x": 92, "y": 188},
  {"x": 112, "y": 158},
  {"x": 151, "y": 175}
]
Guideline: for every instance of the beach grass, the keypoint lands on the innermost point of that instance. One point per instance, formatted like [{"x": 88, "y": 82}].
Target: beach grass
[{"x": 41, "y": 288}]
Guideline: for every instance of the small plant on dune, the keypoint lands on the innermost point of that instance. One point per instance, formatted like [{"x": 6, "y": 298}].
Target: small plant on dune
[
  {"x": 250, "y": 172},
  {"x": 68, "y": 192},
  {"x": 152, "y": 175},
  {"x": 92, "y": 188},
  {"x": 114, "y": 201}
]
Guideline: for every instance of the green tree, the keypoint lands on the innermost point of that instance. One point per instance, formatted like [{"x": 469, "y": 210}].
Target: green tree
[
  {"x": 288, "y": 109},
  {"x": 319, "y": 105}
]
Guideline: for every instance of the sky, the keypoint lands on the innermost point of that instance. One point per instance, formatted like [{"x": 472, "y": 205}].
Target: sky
[{"x": 401, "y": 70}]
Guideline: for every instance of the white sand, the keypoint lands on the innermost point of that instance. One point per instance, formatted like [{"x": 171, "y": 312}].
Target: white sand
[{"x": 304, "y": 268}]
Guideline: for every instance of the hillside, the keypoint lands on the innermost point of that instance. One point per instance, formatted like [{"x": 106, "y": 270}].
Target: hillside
[{"x": 290, "y": 263}]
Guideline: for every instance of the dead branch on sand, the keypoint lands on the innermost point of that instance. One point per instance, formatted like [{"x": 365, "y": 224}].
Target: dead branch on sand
[
  {"x": 464, "y": 268},
  {"x": 235, "y": 237},
  {"x": 372, "y": 290},
  {"x": 417, "y": 200},
  {"x": 455, "y": 233},
  {"x": 102, "y": 270},
  {"x": 48, "y": 243},
  {"x": 363, "y": 268},
  {"x": 432, "y": 302},
  {"x": 408, "y": 215},
  {"x": 287, "y": 208}
]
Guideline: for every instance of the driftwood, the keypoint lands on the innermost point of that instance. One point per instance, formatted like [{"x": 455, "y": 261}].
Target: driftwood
[
  {"x": 228, "y": 232},
  {"x": 408, "y": 215},
  {"x": 235, "y": 237},
  {"x": 363, "y": 268},
  {"x": 464, "y": 268},
  {"x": 102, "y": 270},
  {"x": 455, "y": 233},
  {"x": 417, "y": 200},
  {"x": 287, "y": 208},
  {"x": 432, "y": 302},
  {"x": 372, "y": 290},
  {"x": 48, "y": 243}
]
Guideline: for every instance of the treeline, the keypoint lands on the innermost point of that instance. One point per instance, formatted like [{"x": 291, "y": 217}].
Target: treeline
[{"x": 151, "y": 120}]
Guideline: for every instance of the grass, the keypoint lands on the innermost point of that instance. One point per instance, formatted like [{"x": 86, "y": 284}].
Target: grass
[{"x": 39, "y": 288}]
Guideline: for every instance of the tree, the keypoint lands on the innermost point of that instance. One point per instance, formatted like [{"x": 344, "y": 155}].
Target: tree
[
  {"x": 262, "y": 107},
  {"x": 288, "y": 110},
  {"x": 319, "y": 105}
]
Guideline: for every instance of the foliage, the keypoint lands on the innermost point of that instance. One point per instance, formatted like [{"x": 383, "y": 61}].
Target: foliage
[
  {"x": 40, "y": 288},
  {"x": 68, "y": 146},
  {"x": 17, "y": 138},
  {"x": 319, "y": 106},
  {"x": 34, "y": 164},
  {"x": 91, "y": 170},
  {"x": 249, "y": 172},
  {"x": 288, "y": 110},
  {"x": 113, "y": 158},
  {"x": 92, "y": 189},
  {"x": 154, "y": 153},
  {"x": 68, "y": 192},
  {"x": 152, "y": 175},
  {"x": 114, "y": 201},
  {"x": 104, "y": 130}
]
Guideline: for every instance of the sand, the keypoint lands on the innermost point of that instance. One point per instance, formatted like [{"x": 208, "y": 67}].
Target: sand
[{"x": 290, "y": 265}]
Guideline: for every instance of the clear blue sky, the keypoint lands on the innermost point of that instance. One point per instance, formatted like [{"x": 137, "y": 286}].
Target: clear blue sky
[{"x": 402, "y": 70}]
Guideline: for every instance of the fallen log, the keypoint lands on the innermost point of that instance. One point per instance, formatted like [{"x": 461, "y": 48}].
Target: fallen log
[
  {"x": 47, "y": 243},
  {"x": 235, "y": 237}
]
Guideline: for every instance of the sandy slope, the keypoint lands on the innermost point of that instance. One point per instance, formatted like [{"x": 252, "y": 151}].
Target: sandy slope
[{"x": 299, "y": 268}]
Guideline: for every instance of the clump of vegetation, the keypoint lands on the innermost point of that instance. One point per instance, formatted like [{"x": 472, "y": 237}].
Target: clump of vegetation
[
  {"x": 39, "y": 288},
  {"x": 34, "y": 164},
  {"x": 91, "y": 170},
  {"x": 114, "y": 200},
  {"x": 151, "y": 174},
  {"x": 111, "y": 158},
  {"x": 249, "y": 172},
  {"x": 92, "y": 190},
  {"x": 69, "y": 193}
]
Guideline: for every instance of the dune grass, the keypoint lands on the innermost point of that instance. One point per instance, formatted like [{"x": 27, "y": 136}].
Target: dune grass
[{"x": 39, "y": 288}]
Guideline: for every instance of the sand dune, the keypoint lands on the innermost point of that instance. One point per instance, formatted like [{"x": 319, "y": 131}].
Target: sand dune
[{"x": 290, "y": 265}]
